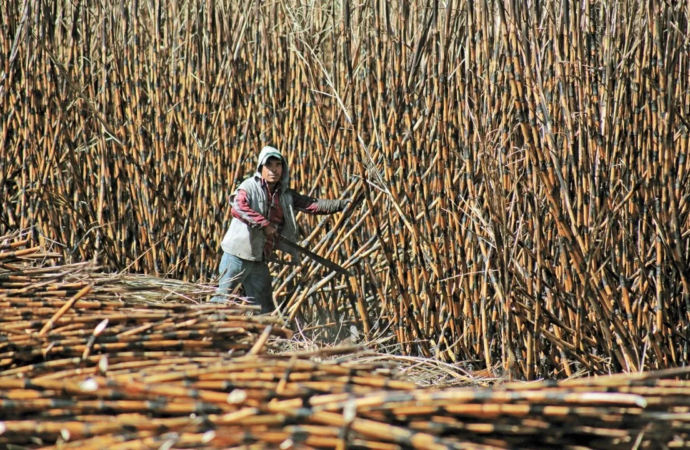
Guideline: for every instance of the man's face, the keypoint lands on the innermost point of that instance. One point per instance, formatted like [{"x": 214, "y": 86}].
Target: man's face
[{"x": 272, "y": 170}]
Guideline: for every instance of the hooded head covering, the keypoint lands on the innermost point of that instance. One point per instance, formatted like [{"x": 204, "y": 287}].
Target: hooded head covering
[{"x": 268, "y": 152}]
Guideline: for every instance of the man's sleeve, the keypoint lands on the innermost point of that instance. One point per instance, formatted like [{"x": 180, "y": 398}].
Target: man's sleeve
[
  {"x": 311, "y": 205},
  {"x": 243, "y": 212}
]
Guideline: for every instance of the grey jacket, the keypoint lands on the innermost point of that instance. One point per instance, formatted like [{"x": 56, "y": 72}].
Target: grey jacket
[{"x": 247, "y": 242}]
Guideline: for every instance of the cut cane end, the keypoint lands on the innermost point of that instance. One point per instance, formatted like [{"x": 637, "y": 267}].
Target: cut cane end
[
  {"x": 208, "y": 436},
  {"x": 89, "y": 385},
  {"x": 237, "y": 396}
]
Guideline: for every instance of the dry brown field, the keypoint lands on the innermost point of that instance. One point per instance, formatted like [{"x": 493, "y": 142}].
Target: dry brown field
[{"x": 523, "y": 165}]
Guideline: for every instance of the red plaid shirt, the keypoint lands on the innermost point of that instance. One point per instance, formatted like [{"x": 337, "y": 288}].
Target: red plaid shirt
[{"x": 243, "y": 212}]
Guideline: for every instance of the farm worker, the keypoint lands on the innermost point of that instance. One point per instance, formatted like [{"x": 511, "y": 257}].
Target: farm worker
[{"x": 263, "y": 210}]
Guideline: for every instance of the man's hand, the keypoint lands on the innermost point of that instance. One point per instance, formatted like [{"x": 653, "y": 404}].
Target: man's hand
[
  {"x": 270, "y": 231},
  {"x": 345, "y": 203}
]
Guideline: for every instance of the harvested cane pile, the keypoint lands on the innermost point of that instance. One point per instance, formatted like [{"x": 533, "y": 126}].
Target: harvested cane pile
[
  {"x": 89, "y": 361},
  {"x": 524, "y": 165},
  {"x": 292, "y": 403},
  {"x": 71, "y": 311}
]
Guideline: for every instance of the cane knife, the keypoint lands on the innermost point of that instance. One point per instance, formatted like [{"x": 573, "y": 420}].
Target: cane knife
[{"x": 320, "y": 259}]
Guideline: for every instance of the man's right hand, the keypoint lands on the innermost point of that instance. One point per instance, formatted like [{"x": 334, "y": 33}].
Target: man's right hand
[{"x": 270, "y": 230}]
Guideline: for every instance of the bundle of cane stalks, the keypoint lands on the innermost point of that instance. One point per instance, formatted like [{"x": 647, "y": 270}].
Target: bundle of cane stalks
[{"x": 89, "y": 361}]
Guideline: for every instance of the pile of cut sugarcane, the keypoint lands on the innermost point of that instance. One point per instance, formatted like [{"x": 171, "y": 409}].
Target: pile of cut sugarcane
[
  {"x": 52, "y": 314},
  {"x": 289, "y": 402},
  {"x": 89, "y": 360}
]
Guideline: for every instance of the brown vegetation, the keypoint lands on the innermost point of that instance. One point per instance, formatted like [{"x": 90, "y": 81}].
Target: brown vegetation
[{"x": 524, "y": 164}]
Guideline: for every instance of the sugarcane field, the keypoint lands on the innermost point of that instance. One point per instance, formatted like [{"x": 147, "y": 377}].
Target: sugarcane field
[{"x": 376, "y": 224}]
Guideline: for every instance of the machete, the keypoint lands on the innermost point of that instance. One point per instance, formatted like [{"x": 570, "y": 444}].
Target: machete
[{"x": 319, "y": 259}]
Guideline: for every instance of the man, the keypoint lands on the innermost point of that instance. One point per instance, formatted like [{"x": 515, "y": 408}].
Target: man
[{"x": 263, "y": 210}]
